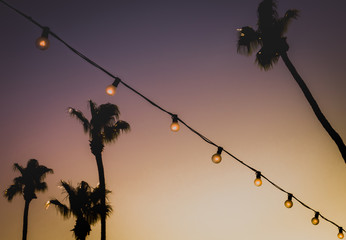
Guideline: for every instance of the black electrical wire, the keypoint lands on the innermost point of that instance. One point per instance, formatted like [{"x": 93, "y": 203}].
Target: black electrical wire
[{"x": 162, "y": 109}]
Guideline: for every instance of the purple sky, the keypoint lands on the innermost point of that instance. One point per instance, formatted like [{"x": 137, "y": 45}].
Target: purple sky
[{"x": 182, "y": 55}]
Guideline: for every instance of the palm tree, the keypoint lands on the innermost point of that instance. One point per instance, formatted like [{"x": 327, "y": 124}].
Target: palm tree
[
  {"x": 30, "y": 181},
  {"x": 273, "y": 45},
  {"x": 84, "y": 205},
  {"x": 103, "y": 127}
]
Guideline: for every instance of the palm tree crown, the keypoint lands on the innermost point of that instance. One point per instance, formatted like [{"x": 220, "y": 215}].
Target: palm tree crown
[
  {"x": 104, "y": 125},
  {"x": 84, "y": 205},
  {"x": 29, "y": 182},
  {"x": 269, "y": 35}
]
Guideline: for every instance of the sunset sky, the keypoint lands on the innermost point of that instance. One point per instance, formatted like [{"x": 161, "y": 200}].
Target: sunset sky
[{"x": 183, "y": 56}]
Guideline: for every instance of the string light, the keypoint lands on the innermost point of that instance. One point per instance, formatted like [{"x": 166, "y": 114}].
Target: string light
[
  {"x": 341, "y": 234},
  {"x": 111, "y": 89},
  {"x": 43, "y": 42},
  {"x": 45, "y": 45},
  {"x": 175, "y": 125},
  {"x": 216, "y": 158},
  {"x": 315, "y": 220},
  {"x": 258, "y": 180},
  {"x": 288, "y": 202}
]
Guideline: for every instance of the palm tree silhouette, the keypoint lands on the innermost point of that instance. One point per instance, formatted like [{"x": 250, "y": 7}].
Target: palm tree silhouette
[
  {"x": 270, "y": 37},
  {"x": 84, "y": 204},
  {"x": 103, "y": 127},
  {"x": 30, "y": 181}
]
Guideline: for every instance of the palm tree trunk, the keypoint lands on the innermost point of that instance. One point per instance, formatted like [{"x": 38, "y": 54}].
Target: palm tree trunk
[
  {"x": 103, "y": 190},
  {"x": 332, "y": 133},
  {"x": 25, "y": 219}
]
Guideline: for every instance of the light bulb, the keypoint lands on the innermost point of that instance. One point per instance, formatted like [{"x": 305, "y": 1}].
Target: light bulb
[
  {"x": 43, "y": 42},
  {"x": 175, "y": 125},
  {"x": 258, "y": 180},
  {"x": 340, "y": 234},
  {"x": 288, "y": 202},
  {"x": 315, "y": 220},
  {"x": 216, "y": 158},
  {"x": 111, "y": 89}
]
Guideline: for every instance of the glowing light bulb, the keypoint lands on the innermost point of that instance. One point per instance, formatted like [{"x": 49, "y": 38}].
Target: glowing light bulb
[
  {"x": 70, "y": 110},
  {"x": 42, "y": 42},
  {"x": 111, "y": 89},
  {"x": 175, "y": 125},
  {"x": 258, "y": 180},
  {"x": 340, "y": 234},
  {"x": 315, "y": 220},
  {"x": 216, "y": 158},
  {"x": 242, "y": 34},
  {"x": 288, "y": 202}
]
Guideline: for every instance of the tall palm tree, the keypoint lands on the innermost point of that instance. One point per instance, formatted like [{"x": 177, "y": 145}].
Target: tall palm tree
[
  {"x": 29, "y": 182},
  {"x": 273, "y": 45},
  {"x": 103, "y": 127},
  {"x": 84, "y": 205}
]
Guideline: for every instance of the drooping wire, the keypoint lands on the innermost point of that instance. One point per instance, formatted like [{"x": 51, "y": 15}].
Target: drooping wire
[{"x": 81, "y": 55}]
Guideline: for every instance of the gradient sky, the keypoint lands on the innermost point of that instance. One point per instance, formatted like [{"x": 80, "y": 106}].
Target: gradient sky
[{"x": 182, "y": 55}]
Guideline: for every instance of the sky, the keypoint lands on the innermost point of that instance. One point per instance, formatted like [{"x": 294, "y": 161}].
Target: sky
[{"x": 183, "y": 56}]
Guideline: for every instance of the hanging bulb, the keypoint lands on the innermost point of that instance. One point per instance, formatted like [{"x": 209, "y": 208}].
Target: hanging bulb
[
  {"x": 216, "y": 158},
  {"x": 341, "y": 234},
  {"x": 288, "y": 202},
  {"x": 315, "y": 220},
  {"x": 111, "y": 89},
  {"x": 175, "y": 125},
  {"x": 43, "y": 42},
  {"x": 258, "y": 180}
]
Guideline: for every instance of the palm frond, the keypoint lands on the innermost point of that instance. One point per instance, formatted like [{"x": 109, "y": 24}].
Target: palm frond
[
  {"x": 41, "y": 187},
  {"x": 42, "y": 171},
  {"x": 107, "y": 112},
  {"x": 111, "y": 133},
  {"x": 13, "y": 190},
  {"x": 248, "y": 40},
  {"x": 266, "y": 59},
  {"x": 93, "y": 108},
  {"x": 286, "y": 20},
  {"x": 80, "y": 116},
  {"x": 68, "y": 188},
  {"x": 17, "y": 167},
  {"x": 61, "y": 208},
  {"x": 267, "y": 15}
]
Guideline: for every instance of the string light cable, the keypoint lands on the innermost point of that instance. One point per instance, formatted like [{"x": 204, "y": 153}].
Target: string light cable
[{"x": 175, "y": 119}]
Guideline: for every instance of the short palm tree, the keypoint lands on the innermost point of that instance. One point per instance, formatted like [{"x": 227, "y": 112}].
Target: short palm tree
[
  {"x": 27, "y": 184},
  {"x": 103, "y": 127},
  {"x": 84, "y": 205},
  {"x": 273, "y": 45}
]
